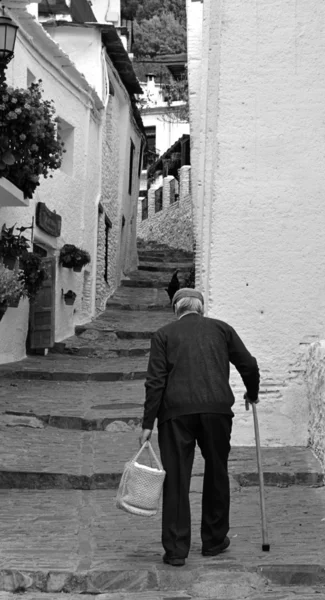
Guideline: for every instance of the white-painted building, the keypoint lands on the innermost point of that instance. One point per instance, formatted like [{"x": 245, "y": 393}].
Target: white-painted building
[
  {"x": 96, "y": 190},
  {"x": 160, "y": 121},
  {"x": 257, "y": 83},
  {"x": 107, "y": 67},
  {"x": 74, "y": 191}
]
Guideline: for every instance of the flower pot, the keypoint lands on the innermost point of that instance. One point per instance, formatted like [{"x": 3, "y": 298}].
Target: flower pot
[
  {"x": 3, "y": 308},
  {"x": 69, "y": 297},
  {"x": 77, "y": 269},
  {"x": 69, "y": 301},
  {"x": 10, "y": 262},
  {"x": 66, "y": 266}
]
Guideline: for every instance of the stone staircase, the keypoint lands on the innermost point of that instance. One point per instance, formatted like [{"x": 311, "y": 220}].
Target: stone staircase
[{"x": 69, "y": 422}]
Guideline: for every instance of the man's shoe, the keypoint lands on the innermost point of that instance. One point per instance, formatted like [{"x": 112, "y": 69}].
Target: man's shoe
[
  {"x": 174, "y": 562},
  {"x": 217, "y": 549}
]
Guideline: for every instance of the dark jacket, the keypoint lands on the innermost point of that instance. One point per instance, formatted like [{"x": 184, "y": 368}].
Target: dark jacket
[{"x": 188, "y": 370}]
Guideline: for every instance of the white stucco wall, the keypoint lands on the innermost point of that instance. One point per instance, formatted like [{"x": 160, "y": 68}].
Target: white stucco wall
[
  {"x": 74, "y": 197},
  {"x": 74, "y": 41},
  {"x": 258, "y": 130},
  {"x": 315, "y": 381}
]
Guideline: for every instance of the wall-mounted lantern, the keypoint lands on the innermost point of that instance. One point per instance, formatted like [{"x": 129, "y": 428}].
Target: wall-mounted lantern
[{"x": 8, "y": 33}]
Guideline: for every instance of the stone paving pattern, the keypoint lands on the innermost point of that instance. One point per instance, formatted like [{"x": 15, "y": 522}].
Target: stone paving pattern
[{"x": 61, "y": 532}]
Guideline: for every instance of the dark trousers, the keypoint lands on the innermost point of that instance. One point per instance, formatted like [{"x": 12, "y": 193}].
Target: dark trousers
[{"x": 177, "y": 438}]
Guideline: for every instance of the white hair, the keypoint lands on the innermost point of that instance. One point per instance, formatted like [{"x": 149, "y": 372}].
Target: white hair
[{"x": 185, "y": 305}]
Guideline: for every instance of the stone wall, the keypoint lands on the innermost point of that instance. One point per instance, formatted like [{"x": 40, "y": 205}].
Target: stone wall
[
  {"x": 315, "y": 380},
  {"x": 256, "y": 75},
  {"x": 173, "y": 225},
  {"x": 118, "y": 205}
]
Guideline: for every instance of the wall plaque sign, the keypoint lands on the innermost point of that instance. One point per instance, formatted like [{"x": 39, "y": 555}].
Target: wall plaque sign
[{"x": 47, "y": 220}]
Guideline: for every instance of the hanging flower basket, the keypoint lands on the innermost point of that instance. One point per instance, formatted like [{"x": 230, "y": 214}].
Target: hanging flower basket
[
  {"x": 69, "y": 297},
  {"x": 3, "y": 309},
  {"x": 30, "y": 144},
  {"x": 74, "y": 258}
]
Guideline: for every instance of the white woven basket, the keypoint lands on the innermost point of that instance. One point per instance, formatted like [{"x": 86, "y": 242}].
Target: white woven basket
[{"x": 141, "y": 486}]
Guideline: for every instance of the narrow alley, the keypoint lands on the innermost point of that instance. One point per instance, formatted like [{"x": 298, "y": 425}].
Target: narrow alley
[{"x": 70, "y": 421}]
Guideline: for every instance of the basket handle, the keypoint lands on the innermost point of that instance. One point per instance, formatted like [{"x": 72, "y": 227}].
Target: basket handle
[{"x": 147, "y": 445}]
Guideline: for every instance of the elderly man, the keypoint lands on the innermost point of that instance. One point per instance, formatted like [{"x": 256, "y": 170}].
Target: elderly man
[{"x": 188, "y": 391}]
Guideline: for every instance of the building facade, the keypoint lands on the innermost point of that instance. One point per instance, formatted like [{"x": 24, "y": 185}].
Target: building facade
[
  {"x": 107, "y": 67},
  {"x": 256, "y": 76},
  {"x": 73, "y": 193},
  {"x": 95, "y": 192}
]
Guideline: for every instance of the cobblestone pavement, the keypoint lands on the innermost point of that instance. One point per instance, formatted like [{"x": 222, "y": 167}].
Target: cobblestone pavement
[{"x": 65, "y": 436}]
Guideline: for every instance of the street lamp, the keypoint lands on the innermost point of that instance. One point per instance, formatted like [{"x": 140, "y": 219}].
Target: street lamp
[{"x": 8, "y": 32}]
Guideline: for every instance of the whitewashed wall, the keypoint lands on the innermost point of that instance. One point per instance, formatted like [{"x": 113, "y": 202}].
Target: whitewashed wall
[{"x": 258, "y": 131}]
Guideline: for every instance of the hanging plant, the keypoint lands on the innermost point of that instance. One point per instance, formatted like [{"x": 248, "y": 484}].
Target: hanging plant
[
  {"x": 12, "y": 245},
  {"x": 34, "y": 273},
  {"x": 12, "y": 286},
  {"x": 74, "y": 258},
  {"x": 30, "y": 146},
  {"x": 69, "y": 297}
]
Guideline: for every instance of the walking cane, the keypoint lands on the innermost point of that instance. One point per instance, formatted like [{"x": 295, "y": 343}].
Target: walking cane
[{"x": 265, "y": 544}]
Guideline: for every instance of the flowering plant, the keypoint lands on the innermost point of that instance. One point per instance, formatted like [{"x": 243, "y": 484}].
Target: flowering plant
[
  {"x": 12, "y": 244},
  {"x": 34, "y": 273},
  {"x": 29, "y": 142},
  {"x": 12, "y": 285},
  {"x": 71, "y": 256}
]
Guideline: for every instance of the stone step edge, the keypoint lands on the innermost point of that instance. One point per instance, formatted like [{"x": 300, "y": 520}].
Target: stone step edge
[
  {"x": 34, "y": 480},
  {"x": 143, "y": 307},
  {"x": 33, "y": 374},
  {"x": 120, "y": 424},
  {"x": 84, "y": 351},
  {"x": 134, "y": 579},
  {"x": 121, "y": 334}
]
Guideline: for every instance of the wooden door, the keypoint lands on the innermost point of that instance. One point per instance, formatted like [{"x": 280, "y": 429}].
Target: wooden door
[{"x": 42, "y": 311}]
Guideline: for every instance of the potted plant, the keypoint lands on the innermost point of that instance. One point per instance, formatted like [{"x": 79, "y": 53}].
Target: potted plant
[
  {"x": 12, "y": 288},
  {"x": 12, "y": 245},
  {"x": 69, "y": 297},
  {"x": 30, "y": 146},
  {"x": 74, "y": 258},
  {"x": 34, "y": 273}
]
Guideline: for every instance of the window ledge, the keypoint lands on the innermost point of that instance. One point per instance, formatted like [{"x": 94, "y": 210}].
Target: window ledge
[{"x": 10, "y": 195}]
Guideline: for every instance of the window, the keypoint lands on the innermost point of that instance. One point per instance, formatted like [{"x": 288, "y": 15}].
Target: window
[
  {"x": 132, "y": 150},
  {"x": 66, "y": 133},
  {"x": 140, "y": 158},
  {"x": 150, "y": 153},
  {"x": 144, "y": 204},
  {"x": 108, "y": 225},
  {"x": 158, "y": 199}
]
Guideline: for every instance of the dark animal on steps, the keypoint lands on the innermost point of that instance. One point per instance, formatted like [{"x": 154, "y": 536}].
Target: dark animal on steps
[{"x": 173, "y": 285}]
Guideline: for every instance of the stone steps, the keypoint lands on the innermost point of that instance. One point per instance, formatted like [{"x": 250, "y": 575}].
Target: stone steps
[
  {"x": 164, "y": 267},
  {"x": 138, "y": 283},
  {"x": 78, "y": 541}
]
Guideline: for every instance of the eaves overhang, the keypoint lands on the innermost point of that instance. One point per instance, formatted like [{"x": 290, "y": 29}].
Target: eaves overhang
[{"x": 115, "y": 50}]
